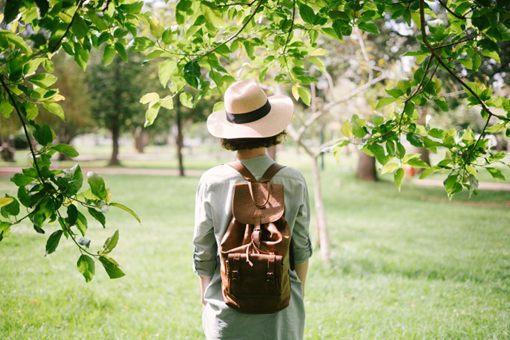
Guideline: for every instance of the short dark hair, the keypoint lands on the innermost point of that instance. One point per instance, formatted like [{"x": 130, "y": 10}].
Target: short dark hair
[{"x": 235, "y": 144}]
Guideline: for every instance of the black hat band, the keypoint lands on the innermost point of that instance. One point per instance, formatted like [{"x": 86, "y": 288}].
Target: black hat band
[{"x": 248, "y": 117}]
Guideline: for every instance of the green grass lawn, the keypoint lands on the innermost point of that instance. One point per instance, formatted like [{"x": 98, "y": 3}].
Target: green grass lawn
[{"x": 405, "y": 265}]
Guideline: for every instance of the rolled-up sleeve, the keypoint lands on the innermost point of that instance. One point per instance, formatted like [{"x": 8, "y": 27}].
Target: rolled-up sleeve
[
  {"x": 301, "y": 243},
  {"x": 205, "y": 248}
]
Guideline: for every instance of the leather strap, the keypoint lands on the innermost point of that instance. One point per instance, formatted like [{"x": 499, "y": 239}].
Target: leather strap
[
  {"x": 270, "y": 172},
  {"x": 243, "y": 171},
  {"x": 266, "y": 177}
]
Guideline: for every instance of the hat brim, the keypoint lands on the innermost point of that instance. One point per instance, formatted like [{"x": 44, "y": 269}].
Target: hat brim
[{"x": 271, "y": 124}]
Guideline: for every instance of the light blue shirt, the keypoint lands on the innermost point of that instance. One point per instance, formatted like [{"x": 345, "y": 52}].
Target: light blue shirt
[{"x": 212, "y": 215}]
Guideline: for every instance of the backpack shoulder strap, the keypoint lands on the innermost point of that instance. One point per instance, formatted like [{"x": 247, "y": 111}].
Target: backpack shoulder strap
[
  {"x": 239, "y": 167},
  {"x": 270, "y": 172}
]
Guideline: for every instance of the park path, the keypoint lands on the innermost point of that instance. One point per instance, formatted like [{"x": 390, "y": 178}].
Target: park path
[
  {"x": 491, "y": 186},
  {"x": 9, "y": 171}
]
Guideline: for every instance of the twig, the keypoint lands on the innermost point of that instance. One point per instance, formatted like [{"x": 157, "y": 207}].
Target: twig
[
  {"x": 59, "y": 42},
  {"x": 291, "y": 27},
  {"x": 235, "y": 4},
  {"x": 317, "y": 114},
  {"x": 365, "y": 54},
  {"x": 456, "y": 42},
  {"x": 233, "y": 36},
  {"x": 450, "y": 71},
  {"x": 23, "y": 123},
  {"x": 458, "y": 16}
]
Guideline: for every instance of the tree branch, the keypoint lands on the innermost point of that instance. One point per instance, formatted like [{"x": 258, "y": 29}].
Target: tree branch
[
  {"x": 59, "y": 41},
  {"x": 291, "y": 27},
  {"x": 317, "y": 114},
  {"x": 233, "y": 36},
  {"x": 450, "y": 11},
  {"x": 455, "y": 76},
  {"x": 23, "y": 123}
]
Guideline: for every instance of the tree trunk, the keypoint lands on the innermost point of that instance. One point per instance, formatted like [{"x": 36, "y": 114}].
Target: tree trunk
[
  {"x": 140, "y": 138},
  {"x": 66, "y": 139},
  {"x": 322, "y": 231},
  {"x": 179, "y": 140},
  {"x": 115, "y": 130},
  {"x": 6, "y": 150},
  {"x": 366, "y": 167},
  {"x": 424, "y": 153}
]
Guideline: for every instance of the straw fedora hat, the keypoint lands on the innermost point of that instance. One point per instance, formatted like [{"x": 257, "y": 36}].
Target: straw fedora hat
[{"x": 249, "y": 113}]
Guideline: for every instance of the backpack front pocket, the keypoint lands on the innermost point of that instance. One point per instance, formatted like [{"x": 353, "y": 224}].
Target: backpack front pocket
[{"x": 257, "y": 276}]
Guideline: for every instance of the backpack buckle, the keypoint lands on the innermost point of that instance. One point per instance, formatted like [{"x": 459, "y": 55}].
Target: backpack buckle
[{"x": 270, "y": 277}]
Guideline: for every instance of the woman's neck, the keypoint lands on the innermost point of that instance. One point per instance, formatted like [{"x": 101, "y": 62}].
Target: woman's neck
[{"x": 250, "y": 153}]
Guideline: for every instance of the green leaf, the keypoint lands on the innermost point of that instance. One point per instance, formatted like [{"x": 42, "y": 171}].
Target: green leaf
[
  {"x": 81, "y": 223},
  {"x": 111, "y": 242},
  {"x": 451, "y": 185},
  {"x": 346, "y": 128},
  {"x": 129, "y": 210},
  {"x": 304, "y": 94},
  {"x": 495, "y": 173},
  {"x": 442, "y": 104},
  {"x": 186, "y": 99},
  {"x": 192, "y": 73},
  {"x": 98, "y": 215},
  {"x": 369, "y": 27},
  {"x": 97, "y": 185},
  {"x": 417, "y": 163},
  {"x": 79, "y": 27},
  {"x": 86, "y": 266},
  {"x": 398, "y": 176},
  {"x": 43, "y": 80},
  {"x": 414, "y": 139},
  {"x": 108, "y": 55},
  {"x": 151, "y": 114},
  {"x": 384, "y": 101},
  {"x": 395, "y": 93},
  {"x": 11, "y": 10},
  {"x": 56, "y": 109},
  {"x": 73, "y": 178},
  {"x": 44, "y": 135},
  {"x": 467, "y": 136},
  {"x": 32, "y": 111},
  {"x": 389, "y": 167},
  {"x": 165, "y": 70},
  {"x": 6, "y": 108},
  {"x": 358, "y": 126},
  {"x": 66, "y": 149},
  {"x": 378, "y": 152},
  {"x": 156, "y": 28},
  {"x": 4, "y": 201},
  {"x": 21, "y": 180},
  {"x": 167, "y": 102},
  {"x": 306, "y": 13},
  {"x": 121, "y": 50},
  {"x": 496, "y": 128},
  {"x": 72, "y": 214},
  {"x": 150, "y": 97},
  {"x": 11, "y": 208},
  {"x": 53, "y": 240},
  {"x": 111, "y": 267}
]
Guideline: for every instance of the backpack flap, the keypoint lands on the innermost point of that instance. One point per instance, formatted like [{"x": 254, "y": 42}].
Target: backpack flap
[{"x": 258, "y": 203}]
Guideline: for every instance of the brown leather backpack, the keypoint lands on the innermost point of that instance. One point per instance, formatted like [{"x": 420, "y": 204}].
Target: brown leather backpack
[{"x": 255, "y": 255}]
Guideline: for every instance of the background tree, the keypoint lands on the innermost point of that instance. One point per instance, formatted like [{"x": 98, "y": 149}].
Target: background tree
[
  {"x": 208, "y": 35},
  {"x": 76, "y": 102},
  {"x": 7, "y": 130},
  {"x": 115, "y": 89}
]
